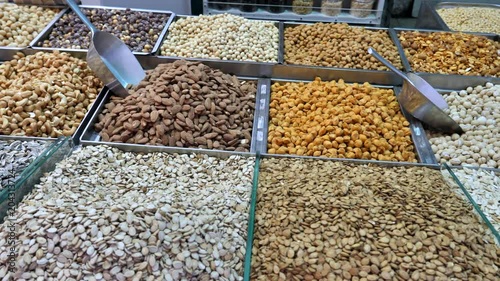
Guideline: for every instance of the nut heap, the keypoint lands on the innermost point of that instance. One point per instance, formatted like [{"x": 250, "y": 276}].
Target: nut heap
[
  {"x": 335, "y": 119},
  {"x": 139, "y": 30},
  {"x": 45, "y": 95},
  {"x": 21, "y": 24},
  {"x": 15, "y": 156},
  {"x": 451, "y": 53},
  {"x": 475, "y": 19},
  {"x": 325, "y": 220},
  {"x": 338, "y": 45},
  {"x": 477, "y": 110},
  {"x": 484, "y": 187},
  {"x": 225, "y": 37},
  {"x": 103, "y": 214},
  {"x": 184, "y": 104}
]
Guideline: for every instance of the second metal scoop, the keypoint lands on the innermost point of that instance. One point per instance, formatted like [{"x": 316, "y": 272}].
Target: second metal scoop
[
  {"x": 110, "y": 59},
  {"x": 421, "y": 100}
]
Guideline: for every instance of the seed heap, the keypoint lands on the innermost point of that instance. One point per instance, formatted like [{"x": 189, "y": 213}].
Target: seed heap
[
  {"x": 139, "y": 30},
  {"x": 475, "y": 19},
  {"x": 15, "y": 156},
  {"x": 184, "y": 104},
  {"x": 225, "y": 37},
  {"x": 338, "y": 45},
  {"x": 477, "y": 110},
  {"x": 21, "y": 24},
  {"x": 325, "y": 220},
  {"x": 335, "y": 119},
  {"x": 103, "y": 214},
  {"x": 45, "y": 95}
]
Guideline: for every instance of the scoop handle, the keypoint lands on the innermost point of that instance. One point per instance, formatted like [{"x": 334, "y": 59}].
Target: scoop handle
[
  {"x": 81, "y": 15},
  {"x": 374, "y": 53}
]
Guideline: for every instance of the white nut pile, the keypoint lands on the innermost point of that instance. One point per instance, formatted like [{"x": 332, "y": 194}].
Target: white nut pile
[
  {"x": 484, "y": 187},
  {"x": 103, "y": 214},
  {"x": 477, "y": 110},
  {"x": 225, "y": 37},
  {"x": 475, "y": 19},
  {"x": 21, "y": 24}
]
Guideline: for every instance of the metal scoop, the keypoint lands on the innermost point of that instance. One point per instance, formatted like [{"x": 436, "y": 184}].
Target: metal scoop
[
  {"x": 110, "y": 59},
  {"x": 421, "y": 100}
]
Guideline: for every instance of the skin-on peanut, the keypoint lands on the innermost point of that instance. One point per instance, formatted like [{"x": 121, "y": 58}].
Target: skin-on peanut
[
  {"x": 45, "y": 95},
  {"x": 451, "y": 53},
  {"x": 334, "y": 119},
  {"x": 338, "y": 45}
]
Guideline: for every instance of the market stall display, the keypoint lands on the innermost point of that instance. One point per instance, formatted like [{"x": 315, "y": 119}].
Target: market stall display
[
  {"x": 154, "y": 215},
  {"x": 339, "y": 120},
  {"x": 223, "y": 37},
  {"x": 17, "y": 155},
  {"x": 451, "y": 53},
  {"x": 338, "y": 45},
  {"x": 471, "y": 18},
  {"x": 21, "y": 24},
  {"x": 141, "y": 30},
  {"x": 477, "y": 109},
  {"x": 325, "y": 220},
  {"x": 45, "y": 95},
  {"x": 183, "y": 104}
]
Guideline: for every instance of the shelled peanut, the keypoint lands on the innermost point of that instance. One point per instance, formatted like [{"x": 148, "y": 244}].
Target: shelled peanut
[
  {"x": 475, "y": 19},
  {"x": 183, "y": 104},
  {"x": 45, "y": 95},
  {"x": 326, "y": 220},
  {"x": 338, "y": 45},
  {"x": 335, "y": 119},
  {"x": 451, "y": 53},
  {"x": 21, "y": 24},
  {"x": 477, "y": 110}
]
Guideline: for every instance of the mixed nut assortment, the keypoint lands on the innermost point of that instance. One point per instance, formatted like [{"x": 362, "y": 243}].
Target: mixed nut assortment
[
  {"x": 45, "y": 95},
  {"x": 104, "y": 214},
  {"x": 338, "y": 45},
  {"x": 477, "y": 110},
  {"x": 15, "y": 156},
  {"x": 326, "y": 220},
  {"x": 183, "y": 104},
  {"x": 21, "y": 24},
  {"x": 139, "y": 30},
  {"x": 335, "y": 119}
]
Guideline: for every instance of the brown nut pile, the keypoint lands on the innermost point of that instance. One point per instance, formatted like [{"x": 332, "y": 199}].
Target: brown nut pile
[
  {"x": 139, "y": 30},
  {"x": 325, "y": 220},
  {"x": 338, "y": 45},
  {"x": 183, "y": 104},
  {"x": 45, "y": 95},
  {"x": 451, "y": 53},
  {"x": 335, "y": 119}
]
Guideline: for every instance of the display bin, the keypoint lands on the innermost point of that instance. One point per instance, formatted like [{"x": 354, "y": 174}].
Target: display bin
[
  {"x": 300, "y": 71},
  {"x": 8, "y": 54},
  {"x": 11, "y": 196},
  {"x": 445, "y": 81},
  {"x": 263, "y": 69},
  {"x": 44, "y": 35},
  {"x": 422, "y": 149},
  {"x": 91, "y": 136},
  {"x": 286, "y": 201}
]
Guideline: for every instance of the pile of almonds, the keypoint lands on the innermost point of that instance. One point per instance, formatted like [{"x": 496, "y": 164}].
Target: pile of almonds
[
  {"x": 183, "y": 104},
  {"x": 325, "y": 220}
]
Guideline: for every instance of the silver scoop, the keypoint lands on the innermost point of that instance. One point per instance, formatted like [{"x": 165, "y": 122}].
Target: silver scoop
[
  {"x": 421, "y": 100},
  {"x": 110, "y": 59}
]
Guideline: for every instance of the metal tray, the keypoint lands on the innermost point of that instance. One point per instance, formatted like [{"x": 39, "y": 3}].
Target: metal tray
[
  {"x": 79, "y": 131},
  {"x": 48, "y": 29},
  {"x": 446, "y": 81},
  {"x": 422, "y": 146},
  {"x": 446, "y": 5},
  {"x": 300, "y": 71},
  {"x": 263, "y": 65},
  {"x": 91, "y": 137}
]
